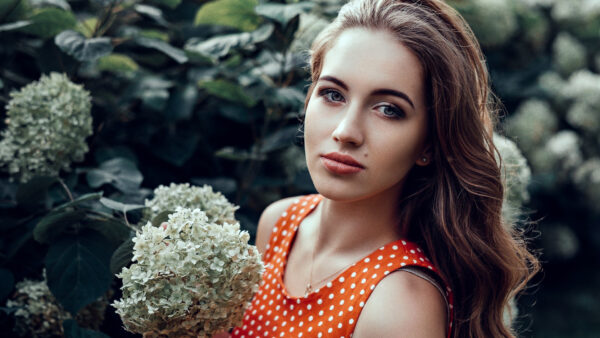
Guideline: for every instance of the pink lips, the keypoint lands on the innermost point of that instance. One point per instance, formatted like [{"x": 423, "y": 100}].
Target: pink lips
[{"x": 341, "y": 164}]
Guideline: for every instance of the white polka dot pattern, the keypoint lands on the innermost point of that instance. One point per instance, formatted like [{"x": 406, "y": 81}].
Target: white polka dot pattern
[{"x": 332, "y": 310}]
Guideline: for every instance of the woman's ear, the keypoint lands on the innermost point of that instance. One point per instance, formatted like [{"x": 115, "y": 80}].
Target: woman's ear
[{"x": 425, "y": 157}]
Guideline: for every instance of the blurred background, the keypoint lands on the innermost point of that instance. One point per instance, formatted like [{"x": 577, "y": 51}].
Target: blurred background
[{"x": 190, "y": 91}]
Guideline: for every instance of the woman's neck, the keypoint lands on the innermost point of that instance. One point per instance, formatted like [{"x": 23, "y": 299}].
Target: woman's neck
[{"x": 342, "y": 227}]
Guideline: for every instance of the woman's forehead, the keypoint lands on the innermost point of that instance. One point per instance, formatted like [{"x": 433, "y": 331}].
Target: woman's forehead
[{"x": 372, "y": 59}]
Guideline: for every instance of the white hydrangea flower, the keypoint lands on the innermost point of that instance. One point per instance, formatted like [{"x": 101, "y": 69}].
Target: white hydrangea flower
[
  {"x": 561, "y": 154},
  {"x": 587, "y": 180},
  {"x": 568, "y": 54},
  {"x": 38, "y": 314},
  {"x": 584, "y": 116},
  {"x": 516, "y": 176},
  {"x": 217, "y": 208},
  {"x": 575, "y": 10},
  {"x": 48, "y": 122},
  {"x": 190, "y": 277},
  {"x": 553, "y": 84},
  {"x": 584, "y": 86},
  {"x": 493, "y": 21},
  {"x": 533, "y": 123}
]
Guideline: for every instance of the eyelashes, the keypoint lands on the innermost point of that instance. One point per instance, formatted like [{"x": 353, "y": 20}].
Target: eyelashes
[
  {"x": 387, "y": 110},
  {"x": 331, "y": 95}
]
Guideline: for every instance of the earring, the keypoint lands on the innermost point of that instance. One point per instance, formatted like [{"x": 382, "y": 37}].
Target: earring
[{"x": 424, "y": 159}]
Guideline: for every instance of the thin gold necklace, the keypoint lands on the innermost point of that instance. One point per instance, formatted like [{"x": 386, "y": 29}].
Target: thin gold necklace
[{"x": 309, "y": 285}]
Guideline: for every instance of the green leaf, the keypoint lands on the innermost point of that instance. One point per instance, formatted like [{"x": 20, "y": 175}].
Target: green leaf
[
  {"x": 15, "y": 25},
  {"x": 181, "y": 102},
  {"x": 72, "y": 330},
  {"x": 35, "y": 190},
  {"x": 117, "y": 63},
  {"x": 163, "y": 216},
  {"x": 77, "y": 269},
  {"x": 118, "y": 206},
  {"x": 151, "y": 12},
  {"x": 288, "y": 97},
  {"x": 236, "y": 112},
  {"x": 7, "y": 283},
  {"x": 48, "y": 22},
  {"x": 118, "y": 172},
  {"x": 114, "y": 230},
  {"x": 82, "y": 49},
  {"x": 232, "y": 13},
  {"x": 177, "y": 148},
  {"x": 228, "y": 91},
  {"x": 121, "y": 257},
  {"x": 220, "y": 46},
  {"x": 167, "y": 3},
  {"x": 86, "y": 27},
  {"x": 81, "y": 199},
  {"x": 13, "y": 9},
  {"x": 280, "y": 139},
  {"x": 233, "y": 154},
  {"x": 53, "y": 225},
  {"x": 283, "y": 13},
  {"x": 175, "y": 53}
]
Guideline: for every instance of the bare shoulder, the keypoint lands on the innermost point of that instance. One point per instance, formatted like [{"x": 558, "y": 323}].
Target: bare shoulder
[
  {"x": 403, "y": 305},
  {"x": 267, "y": 221}
]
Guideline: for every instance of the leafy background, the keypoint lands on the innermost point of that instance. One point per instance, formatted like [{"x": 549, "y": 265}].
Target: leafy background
[{"x": 210, "y": 92}]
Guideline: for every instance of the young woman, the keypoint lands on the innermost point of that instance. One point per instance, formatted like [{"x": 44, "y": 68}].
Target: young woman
[{"x": 405, "y": 236}]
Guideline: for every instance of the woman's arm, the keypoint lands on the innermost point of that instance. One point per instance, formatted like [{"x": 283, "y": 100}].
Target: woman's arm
[{"x": 403, "y": 305}]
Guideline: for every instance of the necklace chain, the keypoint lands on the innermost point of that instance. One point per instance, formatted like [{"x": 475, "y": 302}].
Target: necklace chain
[{"x": 310, "y": 284}]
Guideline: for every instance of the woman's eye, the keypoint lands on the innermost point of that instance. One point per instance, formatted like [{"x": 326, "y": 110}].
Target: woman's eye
[
  {"x": 331, "y": 95},
  {"x": 391, "y": 111}
]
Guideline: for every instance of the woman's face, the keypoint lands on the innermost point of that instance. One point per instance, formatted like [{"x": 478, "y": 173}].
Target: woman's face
[{"x": 366, "y": 121}]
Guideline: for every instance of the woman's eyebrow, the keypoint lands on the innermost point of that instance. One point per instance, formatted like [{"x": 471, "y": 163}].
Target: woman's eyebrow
[{"x": 382, "y": 91}]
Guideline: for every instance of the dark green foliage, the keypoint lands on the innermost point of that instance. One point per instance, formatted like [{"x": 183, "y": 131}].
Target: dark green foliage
[{"x": 77, "y": 268}]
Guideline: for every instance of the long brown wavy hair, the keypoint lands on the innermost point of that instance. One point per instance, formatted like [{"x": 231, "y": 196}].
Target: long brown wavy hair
[{"x": 451, "y": 207}]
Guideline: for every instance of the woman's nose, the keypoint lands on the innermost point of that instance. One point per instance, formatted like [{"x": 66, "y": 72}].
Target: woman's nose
[{"x": 349, "y": 128}]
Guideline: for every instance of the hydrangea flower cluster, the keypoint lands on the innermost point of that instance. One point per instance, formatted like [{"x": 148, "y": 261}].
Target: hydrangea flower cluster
[
  {"x": 217, "y": 208},
  {"x": 516, "y": 176},
  {"x": 39, "y": 314},
  {"x": 532, "y": 124},
  {"x": 190, "y": 278},
  {"x": 48, "y": 122},
  {"x": 560, "y": 154},
  {"x": 569, "y": 54}
]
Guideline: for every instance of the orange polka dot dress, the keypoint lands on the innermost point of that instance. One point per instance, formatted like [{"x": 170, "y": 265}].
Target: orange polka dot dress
[{"x": 332, "y": 310}]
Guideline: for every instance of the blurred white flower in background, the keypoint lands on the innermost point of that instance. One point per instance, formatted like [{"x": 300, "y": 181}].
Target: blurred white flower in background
[
  {"x": 568, "y": 54},
  {"x": 532, "y": 124},
  {"x": 516, "y": 176},
  {"x": 560, "y": 155},
  {"x": 48, "y": 122}
]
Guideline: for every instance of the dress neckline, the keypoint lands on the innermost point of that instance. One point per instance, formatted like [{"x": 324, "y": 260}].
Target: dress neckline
[{"x": 340, "y": 277}]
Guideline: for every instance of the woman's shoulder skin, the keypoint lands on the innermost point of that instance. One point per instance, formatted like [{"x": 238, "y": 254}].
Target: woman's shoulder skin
[
  {"x": 403, "y": 305},
  {"x": 268, "y": 219}
]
